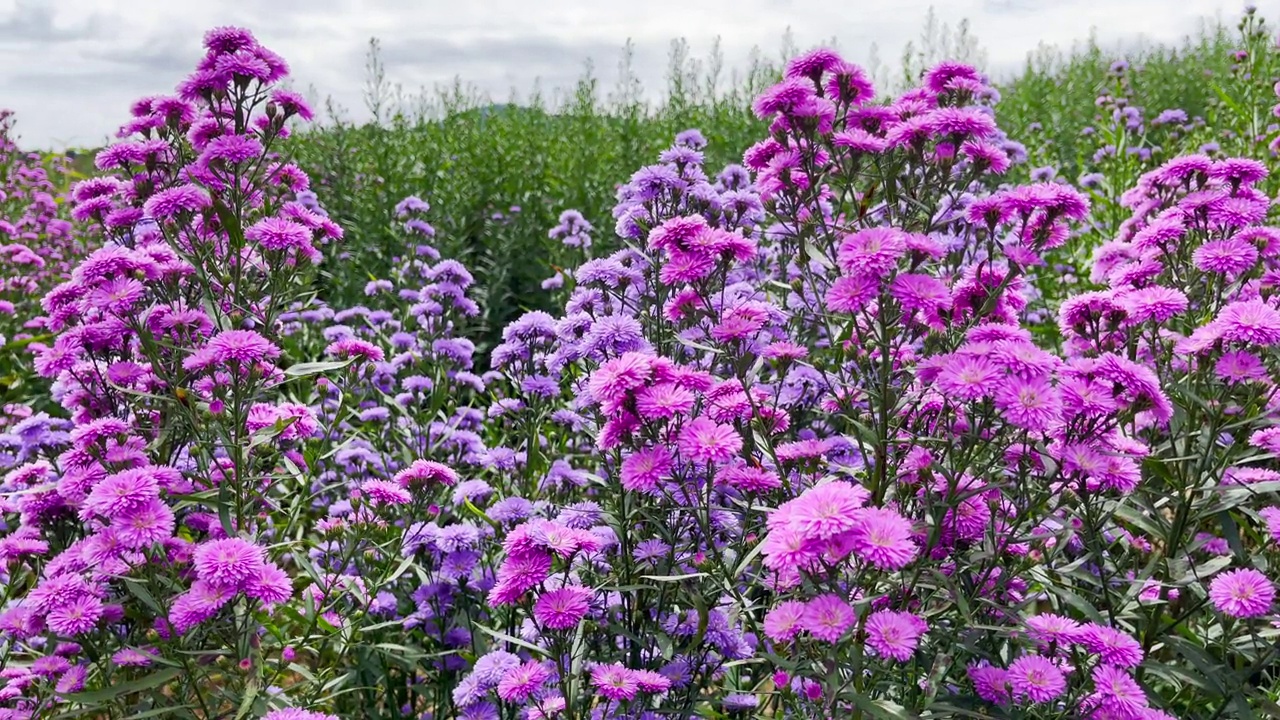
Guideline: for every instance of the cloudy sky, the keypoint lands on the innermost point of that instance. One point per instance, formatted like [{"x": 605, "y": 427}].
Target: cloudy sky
[{"x": 69, "y": 68}]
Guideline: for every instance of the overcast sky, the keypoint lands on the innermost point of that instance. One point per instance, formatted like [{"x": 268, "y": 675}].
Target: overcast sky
[{"x": 70, "y": 68}]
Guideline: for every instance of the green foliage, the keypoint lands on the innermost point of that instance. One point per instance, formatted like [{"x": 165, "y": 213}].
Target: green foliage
[{"x": 476, "y": 160}]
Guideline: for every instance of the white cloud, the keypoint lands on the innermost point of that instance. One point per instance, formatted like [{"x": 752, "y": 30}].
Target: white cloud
[{"x": 73, "y": 66}]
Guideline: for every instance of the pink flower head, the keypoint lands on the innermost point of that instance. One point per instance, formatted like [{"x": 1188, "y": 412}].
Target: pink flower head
[
  {"x": 122, "y": 492},
  {"x": 705, "y": 441},
  {"x": 990, "y": 683},
  {"x": 611, "y": 383},
  {"x": 1231, "y": 256},
  {"x": 813, "y": 64},
  {"x": 1036, "y": 678},
  {"x": 198, "y": 604},
  {"x": 522, "y": 682},
  {"x": 615, "y": 682},
  {"x": 882, "y": 538},
  {"x": 1112, "y": 646},
  {"x": 644, "y": 469},
  {"x": 355, "y": 348},
  {"x": 1116, "y": 693},
  {"x": 1049, "y": 628},
  {"x": 940, "y": 76},
  {"x": 298, "y": 714},
  {"x": 852, "y": 293},
  {"x": 894, "y": 634},
  {"x": 1242, "y": 593},
  {"x": 1249, "y": 321},
  {"x": 385, "y": 492},
  {"x": 828, "y": 509},
  {"x": 827, "y": 617},
  {"x": 562, "y": 608},
  {"x": 421, "y": 473},
  {"x": 1030, "y": 403},
  {"x": 873, "y": 251},
  {"x": 232, "y": 347},
  {"x": 784, "y": 622},
  {"x": 228, "y": 563}
]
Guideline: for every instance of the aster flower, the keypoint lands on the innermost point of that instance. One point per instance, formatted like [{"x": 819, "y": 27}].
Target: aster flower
[
  {"x": 644, "y": 469},
  {"x": 145, "y": 525},
  {"x": 785, "y": 621},
  {"x": 228, "y": 563},
  {"x": 562, "y": 608},
  {"x": 705, "y": 441},
  {"x": 827, "y": 617},
  {"x": 894, "y": 634},
  {"x": 383, "y": 492},
  {"x": 871, "y": 252},
  {"x": 1029, "y": 403},
  {"x": 1242, "y": 593},
  {"x": 1113, "y": 646},
  {"x": 298, "y": 714},
  {"x": 615, "y": 682},
  {"x": 883, "y": 538},
  {"x": 421, "y": 473},
  {"x": 1117, "y": 693},
  {"x": 522, "y": 682},
  {"x": 76, "y": 617},
  {"x": 242, "y": 347},
  {"x": 1249, "y": 321},
  {"x": 1050, "y": 628},
  {"x": 1036, "y": 678},
  {"x": 1228, "y": 257}
]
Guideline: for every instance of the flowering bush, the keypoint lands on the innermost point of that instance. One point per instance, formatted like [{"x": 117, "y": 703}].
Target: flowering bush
[
  {"x": 813, "y": 443},
  {"x": 39, "y": 250}
]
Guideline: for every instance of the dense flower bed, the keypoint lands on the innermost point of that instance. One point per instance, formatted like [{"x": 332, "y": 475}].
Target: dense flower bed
[{"x": 814, "y": 443}]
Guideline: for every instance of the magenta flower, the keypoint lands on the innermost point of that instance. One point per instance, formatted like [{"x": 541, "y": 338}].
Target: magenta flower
[
  {"x": 425, "y": 472},
  {"x": 990, "y": 683},
  {"x": 615, "y": 682},
  {"x": 562, "y": 608},
  {"x": 1037, "y": 678},
  {"x": 705, "y": 441},
  {"x": 1250, "y": 321},
  {"x": 385, "y": 492},
  {"x": 76, "y": 617},
  {"x": 522, "y": 682},
  {"x": 298, "y": 714},
  {"x": 145, "y": 525},
  {"x": 228, "y": 563},
  {"x": 1242, "y": 593},
  {"x": 1227, "y": 257},
  {"x": 827, "y": 617},
  {"x": 123, "y": 492},
  {"x": 883, "y": 539},
  {"x": 1116, "y": 693},
  {"x": 1113, "y": 646},
  {"x": 827, "y": 510},
  {"x": 349, "y": 348},
  {"x": 784, "y": 622},
  {"x": 1049, "y": 628},
  {"x": 242, "y": 347},
  {"x": 644, "y": 469},
  {"x": 278, "y": 234},
  {"x": 894, "y": 634}
]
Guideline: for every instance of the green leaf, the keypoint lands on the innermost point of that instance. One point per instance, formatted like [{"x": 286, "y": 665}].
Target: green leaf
[
  {"x": 315, "y": 368},
  {"x": 246, "y": 705},
  {"x": 673, "y": 578},
  {"x": 513, "y": 640},
  {"x": 154, "y": 680},
  {"x": 166, "y": 711}
]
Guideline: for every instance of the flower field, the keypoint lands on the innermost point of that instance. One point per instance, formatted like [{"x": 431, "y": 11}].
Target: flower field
[{"x": 804, "y": 399}]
